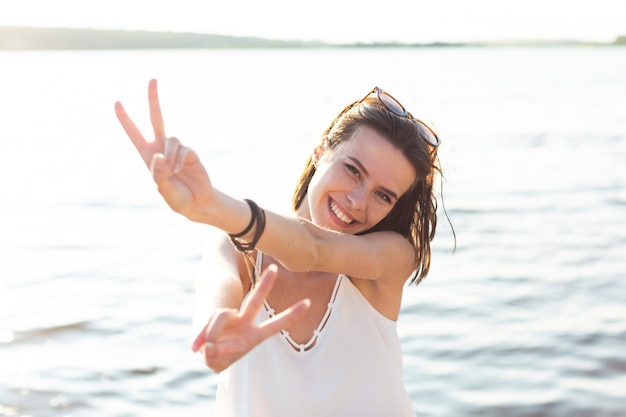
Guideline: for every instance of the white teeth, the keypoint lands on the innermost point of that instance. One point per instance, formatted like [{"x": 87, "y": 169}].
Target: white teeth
[{"x": 339, "y": 213}]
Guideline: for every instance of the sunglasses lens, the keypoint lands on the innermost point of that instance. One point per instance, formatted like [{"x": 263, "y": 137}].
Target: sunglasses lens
[
  {"x": 428, "y": 134},
  {"x": 395, "y": 107},
  {"x": 392, "y": 104}
]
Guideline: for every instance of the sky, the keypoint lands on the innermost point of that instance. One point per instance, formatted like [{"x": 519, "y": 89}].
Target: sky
[{"x": 337, "y": 21}]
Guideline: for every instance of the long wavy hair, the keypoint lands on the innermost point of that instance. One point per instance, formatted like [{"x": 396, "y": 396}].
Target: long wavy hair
[{"x": 414, "y": 215}]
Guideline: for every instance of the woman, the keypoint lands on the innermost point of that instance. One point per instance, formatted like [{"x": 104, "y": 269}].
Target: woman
[{"x": 315, "y": 334}]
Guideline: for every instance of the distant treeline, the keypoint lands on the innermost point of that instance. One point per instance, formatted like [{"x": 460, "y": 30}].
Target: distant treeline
[{"x": 28, "y": 38}]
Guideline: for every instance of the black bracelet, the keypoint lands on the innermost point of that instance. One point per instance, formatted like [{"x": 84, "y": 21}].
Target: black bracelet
[
  {"x": 260, "y": 227},
  {"x": 258, "y": 218},
  {"x": 252, "y": 220}
]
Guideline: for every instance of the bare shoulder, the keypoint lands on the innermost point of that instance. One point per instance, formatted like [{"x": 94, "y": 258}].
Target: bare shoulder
[
  {"x": 384, "y": 296},
  {"x": 392, "y": 262},
  {"x": 380, "y": 256}
]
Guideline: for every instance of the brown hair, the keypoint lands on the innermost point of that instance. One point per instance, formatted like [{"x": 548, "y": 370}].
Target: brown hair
[{"x": 414, "y": 215}]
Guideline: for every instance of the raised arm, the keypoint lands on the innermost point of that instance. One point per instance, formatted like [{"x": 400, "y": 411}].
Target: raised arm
[{"x": 298, "y": 244}]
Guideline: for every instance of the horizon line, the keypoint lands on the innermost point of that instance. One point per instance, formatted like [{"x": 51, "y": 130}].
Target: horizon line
[{"x": 275, "y": 42}]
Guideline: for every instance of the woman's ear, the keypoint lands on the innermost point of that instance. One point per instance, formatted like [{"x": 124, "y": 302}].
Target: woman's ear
[{"x": 320, "y": 149}]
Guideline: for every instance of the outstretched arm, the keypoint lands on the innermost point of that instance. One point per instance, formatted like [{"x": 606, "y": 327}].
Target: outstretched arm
[{"x": 300, "y": 245}]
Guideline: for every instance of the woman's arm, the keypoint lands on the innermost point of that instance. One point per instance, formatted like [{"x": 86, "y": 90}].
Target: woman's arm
[
  {"x": 302, "y": 246},
  {"x": 184, "y": 183}
]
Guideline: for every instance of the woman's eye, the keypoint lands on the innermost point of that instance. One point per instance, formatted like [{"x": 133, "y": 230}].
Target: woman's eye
[
  {"x": 384, "y": 197},
  {"x": 353, "y": 170}
]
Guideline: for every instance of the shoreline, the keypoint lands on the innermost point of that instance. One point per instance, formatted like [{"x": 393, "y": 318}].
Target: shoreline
[{"x": 40, "y": 38}]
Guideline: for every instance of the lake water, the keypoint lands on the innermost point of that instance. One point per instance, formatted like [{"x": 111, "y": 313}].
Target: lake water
[{"x": 527, "y": 318}]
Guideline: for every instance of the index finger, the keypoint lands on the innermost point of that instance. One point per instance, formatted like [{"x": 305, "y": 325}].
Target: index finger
[
  {"x": 155, "y": 111},
  {"x": 260, "y": 292},
  {"x": 133, "y": 133}
]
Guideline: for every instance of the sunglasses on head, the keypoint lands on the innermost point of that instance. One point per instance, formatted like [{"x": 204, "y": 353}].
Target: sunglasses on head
[{"x": 394, "y": 106}]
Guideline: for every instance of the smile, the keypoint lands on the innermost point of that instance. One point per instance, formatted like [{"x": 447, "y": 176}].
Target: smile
[{"x": 340, "y": 214}]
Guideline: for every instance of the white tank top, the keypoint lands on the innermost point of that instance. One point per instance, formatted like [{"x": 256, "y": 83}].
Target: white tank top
[{"x": 353, "y": 368}]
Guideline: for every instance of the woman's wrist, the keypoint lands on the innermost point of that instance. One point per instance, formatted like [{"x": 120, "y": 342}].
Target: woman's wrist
[
  {"x": 226, "y": 213},
  {"x": 256, "y": 226}
]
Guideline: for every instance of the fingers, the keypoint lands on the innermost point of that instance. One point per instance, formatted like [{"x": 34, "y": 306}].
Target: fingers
[
  {"x": 216, "y": 324},
  {"x": 132, "y": 131},
  {"x": 220, "y": 319},
  {"x": 175, "y": 153},
  {"x": 183, "y": 152},
  {"x": 155, "y": 111},
  {"x": 280, "y": 321},
  {"x": 171, "y": 161},
  {"x": 162, "y": 176},
  {"x": 200, "y": 340},
  {"x": 171, "y": 151},
  {"x": 284, "y": 319},
  {"x": 159, "y": 168},
  {"x": 146, "y": 148},
  {"x": 260, "y": 292}
]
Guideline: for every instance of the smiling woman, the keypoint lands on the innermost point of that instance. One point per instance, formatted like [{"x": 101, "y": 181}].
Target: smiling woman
[{"x": 325, "y": 307}]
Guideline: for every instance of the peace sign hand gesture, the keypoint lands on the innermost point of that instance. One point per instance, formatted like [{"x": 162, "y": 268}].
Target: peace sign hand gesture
[
  {"x": 181, "y": 178},
  {"x": 230, "y": 334}
]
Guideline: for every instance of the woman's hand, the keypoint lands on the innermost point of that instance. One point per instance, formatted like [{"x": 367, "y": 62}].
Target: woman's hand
[
  {"x": 181, "y": 178},
  {"x": 230, "y": 334}
]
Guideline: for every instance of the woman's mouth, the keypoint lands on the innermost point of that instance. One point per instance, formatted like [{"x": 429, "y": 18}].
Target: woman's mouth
[{"x": 340, "y": 214}]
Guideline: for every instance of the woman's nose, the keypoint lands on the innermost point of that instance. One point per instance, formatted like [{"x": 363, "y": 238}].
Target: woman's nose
[{"x": 358, "y": 198}]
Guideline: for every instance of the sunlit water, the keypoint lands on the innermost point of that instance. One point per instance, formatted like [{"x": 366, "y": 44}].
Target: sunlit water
[{"x": 527, "y": 318}]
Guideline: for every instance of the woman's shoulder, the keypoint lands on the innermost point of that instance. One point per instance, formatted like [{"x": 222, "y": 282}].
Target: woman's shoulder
[
  {"x": 383, "y": 256},
  {"x": 384, "y": 297}
]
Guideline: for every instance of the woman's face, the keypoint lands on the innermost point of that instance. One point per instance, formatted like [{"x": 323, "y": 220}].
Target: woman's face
[{"x": 357, "y": 184}]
